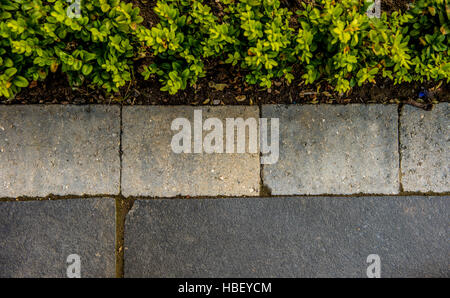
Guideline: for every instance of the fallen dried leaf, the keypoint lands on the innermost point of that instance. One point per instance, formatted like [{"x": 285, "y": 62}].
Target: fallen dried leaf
[
  {"x": 218, "y": 87},
  {"x": 240, "y": 98},
  {"x": 33, "y": 84}
]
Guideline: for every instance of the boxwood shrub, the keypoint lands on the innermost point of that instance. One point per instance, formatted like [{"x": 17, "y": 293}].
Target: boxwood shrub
[
  {"x": 38, "y": 37},
  {"x": 330, "y": 40}
]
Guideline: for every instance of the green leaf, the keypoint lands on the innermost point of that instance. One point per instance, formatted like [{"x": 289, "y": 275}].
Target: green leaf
[
  {"x": 20, "y": 81},
  {"x": 87, "y": 69},
  {"x": 10, "y": 72}
]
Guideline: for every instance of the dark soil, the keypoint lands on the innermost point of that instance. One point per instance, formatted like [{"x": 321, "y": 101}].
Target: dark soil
[
  {"x": 232, "y": 89},
  {"x": 391, "y": 5}
]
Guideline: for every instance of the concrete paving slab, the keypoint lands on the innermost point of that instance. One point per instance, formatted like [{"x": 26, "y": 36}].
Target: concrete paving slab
[
  {"x": 330, "y": 149},
  {"x": 152, "y": 168},
  {"x": 37, "y": 237},
  {"x": 288, "y": 237},
  {"x": 425, "y": 155},
  {"x": 59, "y": 150}
]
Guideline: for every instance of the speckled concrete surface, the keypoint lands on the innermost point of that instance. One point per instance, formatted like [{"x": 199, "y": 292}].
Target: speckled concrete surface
[
  {"x": 151, "y": 168},
  {"x": 59, "y": 150},
  {"x": 288, "y": 237},
  {"x": 335, "y": 150},
  {"x": 37, "y": 237},
  {"x": 425, "y": 142}
]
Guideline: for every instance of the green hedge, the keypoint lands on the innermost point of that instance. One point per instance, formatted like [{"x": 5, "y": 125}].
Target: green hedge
[{"x": 330, "y": 40}]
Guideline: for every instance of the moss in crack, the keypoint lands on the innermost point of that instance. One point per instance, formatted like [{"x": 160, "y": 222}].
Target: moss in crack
[
  {"x": 265, "y": 191},
  {"x": 123, "y": 206}
]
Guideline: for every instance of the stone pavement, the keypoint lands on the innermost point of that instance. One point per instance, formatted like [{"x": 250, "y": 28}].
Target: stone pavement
[
  {"x": 424, "y": 148},
  {"x": 87, "y": 156},
  {"x": 335, "y": 150},
  {"x": 151, "y": 168},
  {"x": 288, "y": 237},
  {"x": 60, "y": 150},
  {"x": 353, "y": 149},
  {"x": 37, "y": 237}
]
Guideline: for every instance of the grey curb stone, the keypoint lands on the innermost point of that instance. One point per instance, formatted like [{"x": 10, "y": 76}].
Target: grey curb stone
[
  {"x": 288, "y": 237},
  {"x": 335, "y": 150},
  {"x": 60, "y": 150},
  {"x": 151, "y": 168},
  {"x": 425, "y": 140},
  {"x": 36, "y": 237}
]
